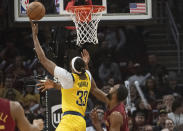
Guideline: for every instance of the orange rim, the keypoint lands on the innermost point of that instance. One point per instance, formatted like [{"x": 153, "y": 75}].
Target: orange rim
[{"x": 74, "y": 9}]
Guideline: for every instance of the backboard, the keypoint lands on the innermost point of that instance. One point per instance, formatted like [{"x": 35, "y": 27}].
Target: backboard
[{"x": 116, "y": 10}]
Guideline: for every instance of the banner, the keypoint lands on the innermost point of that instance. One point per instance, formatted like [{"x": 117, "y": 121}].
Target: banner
[{"x": 53, "y": 109}]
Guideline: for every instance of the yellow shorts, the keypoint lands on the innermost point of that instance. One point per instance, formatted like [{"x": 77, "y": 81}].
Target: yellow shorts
[{"x": 72, "y": 123}]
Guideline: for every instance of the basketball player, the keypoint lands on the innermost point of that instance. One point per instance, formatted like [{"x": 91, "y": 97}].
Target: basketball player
[
  {"x": 115, "y": 116},
  {"x": 75, "y": 87},
  {"x": 12, "y": 114}
]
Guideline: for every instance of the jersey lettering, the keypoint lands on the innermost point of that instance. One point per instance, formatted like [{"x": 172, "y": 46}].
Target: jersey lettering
[
  {"x": 83, "y": 84},
  {"x": 2, "y": 127},
  {"x": 3, "y": 117}
]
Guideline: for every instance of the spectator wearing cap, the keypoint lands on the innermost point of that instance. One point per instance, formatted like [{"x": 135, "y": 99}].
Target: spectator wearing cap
[
  {"x": 138, "y": 76},
  {"x": 162, "y": 116}
]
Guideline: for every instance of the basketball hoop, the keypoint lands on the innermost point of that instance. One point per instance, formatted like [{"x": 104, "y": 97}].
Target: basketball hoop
[{"x": 86, "y": 19}]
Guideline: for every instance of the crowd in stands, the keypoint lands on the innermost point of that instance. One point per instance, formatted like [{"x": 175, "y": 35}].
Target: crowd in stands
[{"x": 116, "y": 59}]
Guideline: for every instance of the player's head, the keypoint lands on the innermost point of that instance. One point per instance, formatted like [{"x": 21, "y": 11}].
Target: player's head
[
  {"x": 118, "y": 93},
  {"x": 78, "y": 65}
]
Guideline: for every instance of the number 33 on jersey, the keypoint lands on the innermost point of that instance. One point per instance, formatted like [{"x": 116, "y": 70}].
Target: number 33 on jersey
[{"x": 75, "y": 99}]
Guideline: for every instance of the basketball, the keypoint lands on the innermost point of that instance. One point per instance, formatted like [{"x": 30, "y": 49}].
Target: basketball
[{"x": 36, "y": 10}]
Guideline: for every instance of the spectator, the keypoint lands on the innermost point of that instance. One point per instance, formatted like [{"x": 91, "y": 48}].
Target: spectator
[
  {"x": 109, "y": 70},
  {"x": 130, "y": 69},
  {"x": 130, "y": 123},
  {"x": 137, "y": 76},
  {"x": 30, "y": 97},
  {"x": 100, "y": 113},
  {"x": 1, "y": 78},
  {"x": 168, "y": 101},
  {"x": 18, "y": 71},
  {"x": 134, "y": 97},
  {"x": 18, "y": 68},
  {"x": 162, "y": 116},
  {"x": 157, "y": 70},
  {"x": 115, "y": 38},
  {"x": 148, "y": 128},
  {"x": 177, "y": 111},
  {"x": 139, "y": 120},
  {"x": 150, "y": 90},
  {"x": 8, "y": 54},
  {"x": 173, "y": 88},
  {"x": 10, "y": 94},
  {"x": 8, "y": 83},
  {"x": 169, "y": 124}
]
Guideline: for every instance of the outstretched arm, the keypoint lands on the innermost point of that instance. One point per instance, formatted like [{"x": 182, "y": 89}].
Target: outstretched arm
[
  {"x": 48, "y": 64},
  {"x": 99, "y": 94}
]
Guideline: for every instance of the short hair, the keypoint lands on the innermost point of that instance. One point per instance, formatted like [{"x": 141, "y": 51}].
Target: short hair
[
  {"x": 79, "y": 65},
  {"x": 169, "y": 119},
  {"x": 178, "y": 102},
  {"x": 122, "y": 93}
]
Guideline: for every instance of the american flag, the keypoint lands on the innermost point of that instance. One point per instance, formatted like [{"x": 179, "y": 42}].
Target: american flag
[{"x": 137, "y": 7}]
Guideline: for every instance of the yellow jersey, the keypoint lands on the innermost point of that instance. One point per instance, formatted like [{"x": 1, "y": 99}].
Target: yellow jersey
[{"x": 75, "y": 99}]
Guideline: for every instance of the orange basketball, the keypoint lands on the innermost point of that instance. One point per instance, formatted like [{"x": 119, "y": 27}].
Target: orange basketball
[{"x": 35, "y": 10}]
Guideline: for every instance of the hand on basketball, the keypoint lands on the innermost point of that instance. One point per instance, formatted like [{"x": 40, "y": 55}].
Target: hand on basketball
[
  {"x": 85, "y": 55},
  {"x": 45, "y": 85},
  {"x": 39, "y": 124},
  {"x": 34, "y": 28}
]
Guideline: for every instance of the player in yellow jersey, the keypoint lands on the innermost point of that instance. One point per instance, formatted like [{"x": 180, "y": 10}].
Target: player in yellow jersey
[{"x": 75, "y": 87}]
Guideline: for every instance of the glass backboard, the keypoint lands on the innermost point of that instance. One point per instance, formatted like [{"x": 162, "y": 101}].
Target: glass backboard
[{"x": 116, "y": 10}]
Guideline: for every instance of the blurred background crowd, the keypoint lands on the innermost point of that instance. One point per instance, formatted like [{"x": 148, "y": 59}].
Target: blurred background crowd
[{"x": 120, "y": 55}]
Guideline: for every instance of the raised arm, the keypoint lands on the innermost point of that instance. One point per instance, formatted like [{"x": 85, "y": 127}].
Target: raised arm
[
  {"x": 48, "y": 64},
  {"x": 99, "y": 94}
]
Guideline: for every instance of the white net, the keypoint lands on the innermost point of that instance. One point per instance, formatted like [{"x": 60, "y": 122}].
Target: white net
[{"x": 86, "y": 22}]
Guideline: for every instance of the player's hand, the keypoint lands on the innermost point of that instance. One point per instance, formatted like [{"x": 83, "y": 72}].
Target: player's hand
[
  {"x": 85, "y": 55},
  {"x": 34, "y": 27},
  {"x": 39, "y": 124},
  {"x": 45, "y": 85},
  {"x": 94, "y": 117}
]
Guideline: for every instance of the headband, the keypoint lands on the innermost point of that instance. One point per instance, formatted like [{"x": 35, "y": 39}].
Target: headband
[{"x": 72, "y": 63}]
